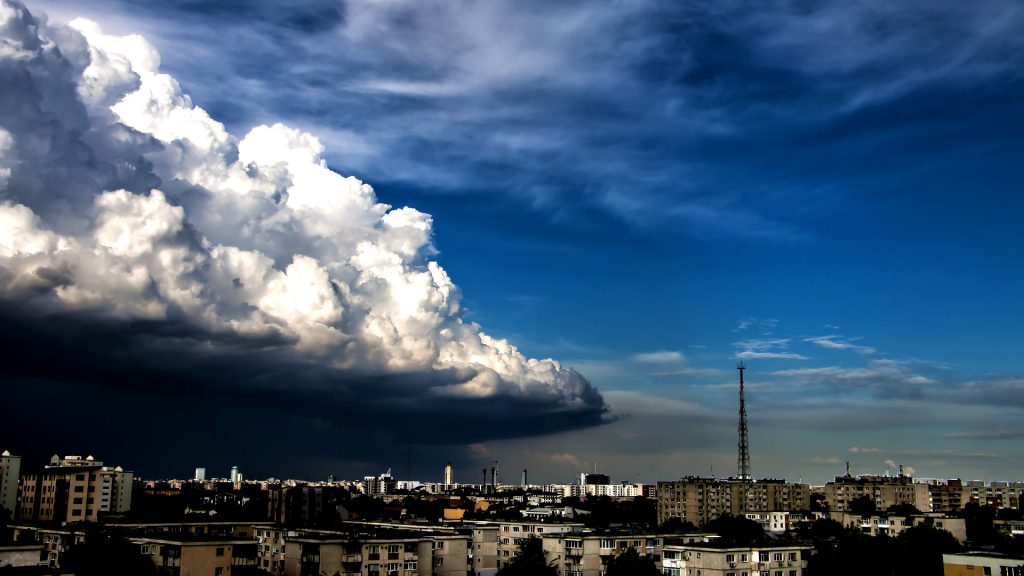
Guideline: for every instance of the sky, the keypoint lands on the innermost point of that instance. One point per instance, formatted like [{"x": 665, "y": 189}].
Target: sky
[{"x": 338, "y": 237}]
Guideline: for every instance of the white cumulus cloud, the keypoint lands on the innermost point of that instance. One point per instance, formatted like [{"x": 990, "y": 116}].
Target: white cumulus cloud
[{"x": 121, "y": 198}]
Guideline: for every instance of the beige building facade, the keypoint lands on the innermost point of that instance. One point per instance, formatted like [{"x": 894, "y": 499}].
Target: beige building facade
[
  {"x": 74, "y": 489},
  {"x": 197, "y": 556},
  {"x": 884, "y": 491},
  {"x": 701, "y": 500},
  {"x": 10, "y": 471},
  {"x": 706, "y": 560},
  {"x": 891, "y": 525},
  {"x": 981, "y": 564},
  {"x": 303, "y": 552}
]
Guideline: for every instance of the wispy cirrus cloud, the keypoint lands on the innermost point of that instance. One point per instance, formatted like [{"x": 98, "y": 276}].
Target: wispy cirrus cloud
[
  {"x": 659, "y": 357},
  {"x": 765, "y": 325},
  {"x": 765, "y": 348},
  {"x": 835, "y": 342},
  {"x": 552, "y": 104},
  {"x": 882, "y": 377},
  {"x": 924, "y": 453}
]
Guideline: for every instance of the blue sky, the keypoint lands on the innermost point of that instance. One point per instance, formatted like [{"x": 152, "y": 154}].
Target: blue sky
[{"x": 649, "y": 192}]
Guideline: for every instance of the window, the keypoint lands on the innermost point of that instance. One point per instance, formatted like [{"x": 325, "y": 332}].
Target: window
[
  {"x": 373, "y": 568},
  {"x": 413, "y": 564},
  {"x": 778, "y": 558},
  {"x": 393, "y": 566},
  {"x": 218, "y": 571},
  {"x": 439, "y": 545},
  {"x": 730, "y": 557},
  {"x": 220, "y": 551},
  {"x": 374, "y": 549},
  {"x": 438, "y": 561},
  {"x": 792, "y": 555},
  {"x": 743, "y": 557},
  {"x": 393, "y": 549},
  {"x": 77, "y": 501}
]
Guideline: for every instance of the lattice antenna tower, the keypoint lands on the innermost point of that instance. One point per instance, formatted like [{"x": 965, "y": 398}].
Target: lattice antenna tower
[{"x": 743, "y": 460}]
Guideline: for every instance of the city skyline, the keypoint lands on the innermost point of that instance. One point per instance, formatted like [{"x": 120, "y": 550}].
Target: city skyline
[{"x": 643, "y": 194}]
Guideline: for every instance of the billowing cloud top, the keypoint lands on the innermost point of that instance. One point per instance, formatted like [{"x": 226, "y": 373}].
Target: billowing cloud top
[{"x": 124, "y": 204}]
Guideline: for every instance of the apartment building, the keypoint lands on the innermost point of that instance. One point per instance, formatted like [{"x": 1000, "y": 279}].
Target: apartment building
[
  {"x": 198, "y": 555},
  {"x": 10, "y": 467},
  {"x": 944, "y": 495},
  {"x": 22, "y": 555},
  {"x": 779, "y": 522},
  {"x": 362, "y": 552},
  {"x": 589, "y": 554},
  {"x": 710, "y": 560},
  {"x": 700, "y": 500},
  {"x": 484, "y": 549},
  {"x": 884, "y": 491},
  {"x": 55, "y": 541},
  {"x": 892, "y": 525},
  {"x": 511, "y": 535},
  {"x": 74, "y": 489},
  {"x": 982, "y": 564},
  {"x": 995, "y": 494}
]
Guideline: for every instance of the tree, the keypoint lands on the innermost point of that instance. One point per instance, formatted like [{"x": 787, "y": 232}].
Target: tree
[
  {"x": 862, "y": 506},
  {"x": 675, "y": 525},
  {"x": 736, "y": 530},
  {"x": 106, "y": 555},
  {"x": 630, "y": 563},
  {"x": 902, "y": 510},
  {"x": 978, "y": 519},
  {"x": 922, "y": 547},
  {"x": 529, "y": 560}
]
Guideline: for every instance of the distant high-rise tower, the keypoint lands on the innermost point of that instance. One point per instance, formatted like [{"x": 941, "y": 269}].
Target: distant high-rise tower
[
  {"x": 448, "y": 474},
  {"x": 10, "y": 466},
  {"x": 743, "y": 461},
  {"x": 200, "y": 473},
  {"x": 234, "y": 474}
]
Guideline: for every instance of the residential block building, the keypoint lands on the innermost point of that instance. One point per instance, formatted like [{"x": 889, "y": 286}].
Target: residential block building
[
  {"x": 74, "y": 489},
  {"x": 358, "y": 552},
  {"x": 198, "y": 555},
  {"x": 893, "y": 525},
  {"x": 981, "y": 564},
  {"x": 512, "y": 534},
  {"x": 700, "y": 500},
  {"x": 589, "y": 554},
  {"x": 10, "y": 467},
  {"x": 706, "y": 559},
  {"x": 884, "y": 491}
]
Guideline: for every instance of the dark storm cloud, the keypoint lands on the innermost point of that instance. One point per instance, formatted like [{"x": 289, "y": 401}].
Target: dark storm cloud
[
  {"x": 171, "y": 383},
  {"x": 156, "y": 267}
]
